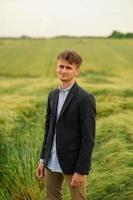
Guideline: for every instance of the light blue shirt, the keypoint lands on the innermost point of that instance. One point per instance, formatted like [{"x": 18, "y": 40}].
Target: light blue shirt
[{"x": 53, "y": 163}]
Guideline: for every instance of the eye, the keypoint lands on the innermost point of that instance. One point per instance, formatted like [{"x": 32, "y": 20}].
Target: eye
[
  {"x": 68, "y": 68},
  {"x": 61, "y": 66}
]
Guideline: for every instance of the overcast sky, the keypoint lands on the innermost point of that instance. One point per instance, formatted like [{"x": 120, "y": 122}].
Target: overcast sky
[{"x": 65, "y": 17}]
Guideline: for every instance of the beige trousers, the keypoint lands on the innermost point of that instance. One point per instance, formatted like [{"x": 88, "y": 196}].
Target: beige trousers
[{"x": 54, "y": 182}]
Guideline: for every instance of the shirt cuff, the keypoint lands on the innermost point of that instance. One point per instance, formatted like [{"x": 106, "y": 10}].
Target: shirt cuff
[{"x": 41, "y": 160}]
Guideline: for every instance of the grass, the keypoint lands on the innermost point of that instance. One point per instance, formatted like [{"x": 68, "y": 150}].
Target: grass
[{"x": 27, "y": 74}]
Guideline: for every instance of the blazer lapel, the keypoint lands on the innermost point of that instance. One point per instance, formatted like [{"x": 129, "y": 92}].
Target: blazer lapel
[{"x": 55, "y": 103}]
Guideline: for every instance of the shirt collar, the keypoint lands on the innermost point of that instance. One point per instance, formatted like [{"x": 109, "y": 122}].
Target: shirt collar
[{"x": 65, "y": 89}]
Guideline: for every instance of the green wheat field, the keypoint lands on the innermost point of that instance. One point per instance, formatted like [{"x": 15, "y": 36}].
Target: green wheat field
[{"x": 27, "y": 74}]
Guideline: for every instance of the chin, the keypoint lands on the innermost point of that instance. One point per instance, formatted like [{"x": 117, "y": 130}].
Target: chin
[{"x": 65, "y": 80}]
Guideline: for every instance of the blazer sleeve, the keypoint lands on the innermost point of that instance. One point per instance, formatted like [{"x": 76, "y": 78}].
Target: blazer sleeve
[
  {"x": 87, "y": 126},
  {"x": 46, "y": 128}
]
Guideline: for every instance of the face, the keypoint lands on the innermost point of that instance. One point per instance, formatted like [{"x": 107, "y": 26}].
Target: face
[{"x": 66, "y": 72}]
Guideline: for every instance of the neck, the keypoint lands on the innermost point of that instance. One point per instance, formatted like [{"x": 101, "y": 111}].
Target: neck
[{"x": 66, "y": 84}]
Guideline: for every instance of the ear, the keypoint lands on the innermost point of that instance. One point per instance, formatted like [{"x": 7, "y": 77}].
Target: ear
[
  {"x": 78, "y": 71},
  {"x": 56, "y": 66}
]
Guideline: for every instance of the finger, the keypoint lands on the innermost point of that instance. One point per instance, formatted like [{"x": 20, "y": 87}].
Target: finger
[
  {"x": 76, "y": 183},
  {"x": 41, "y": 173},
  {"x": 38, "y": 173},
  {"x": 79, "y": 184},
  {"x": 72, "y": 182}
]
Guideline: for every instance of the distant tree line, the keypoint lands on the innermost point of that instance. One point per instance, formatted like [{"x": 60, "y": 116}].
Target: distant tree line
[{"x": 117, "y": 34}]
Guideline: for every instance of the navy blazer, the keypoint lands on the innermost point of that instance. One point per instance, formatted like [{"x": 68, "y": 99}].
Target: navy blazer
[{"x": 75, "y": 130}]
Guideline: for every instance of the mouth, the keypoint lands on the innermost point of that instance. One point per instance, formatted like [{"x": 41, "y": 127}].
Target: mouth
[{"x": 64, "y": 75}]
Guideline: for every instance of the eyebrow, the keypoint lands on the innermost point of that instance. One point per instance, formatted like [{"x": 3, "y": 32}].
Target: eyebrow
[{"x": 65, "y": 65}]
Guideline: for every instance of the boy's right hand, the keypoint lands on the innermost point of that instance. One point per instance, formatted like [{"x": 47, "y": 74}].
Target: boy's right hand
[{"x": 40, "y": 171}]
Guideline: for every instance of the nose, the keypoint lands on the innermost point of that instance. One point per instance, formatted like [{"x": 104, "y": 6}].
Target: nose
[{"x": 64, "y": 70}]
